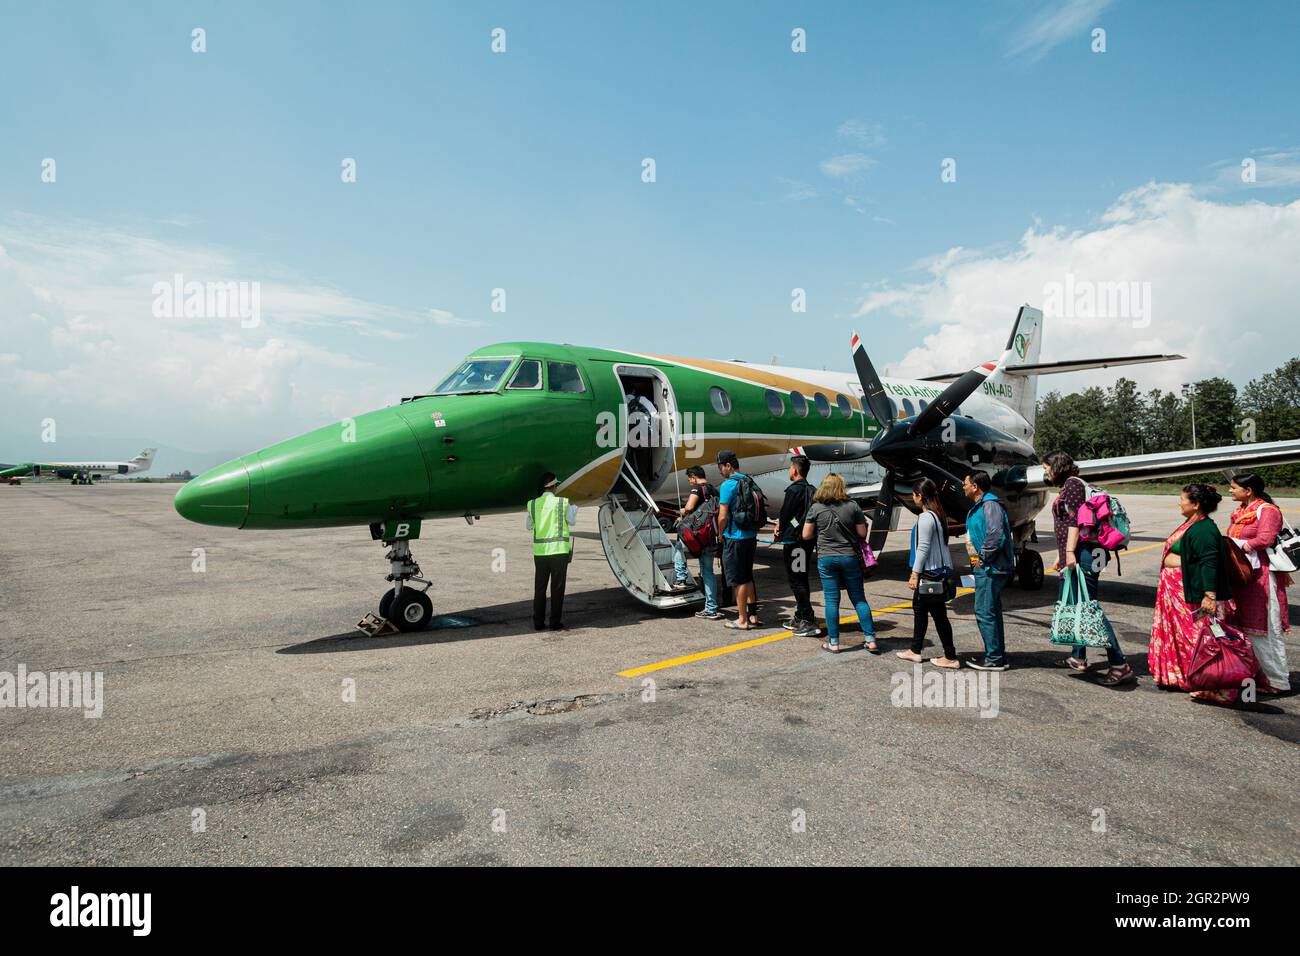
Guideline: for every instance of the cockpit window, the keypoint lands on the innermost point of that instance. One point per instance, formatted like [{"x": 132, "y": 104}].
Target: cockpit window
[
  {"x": 528, "y": 375},
  {"x": 476, "y": 375},
  {"x": 564, "y": 377}
]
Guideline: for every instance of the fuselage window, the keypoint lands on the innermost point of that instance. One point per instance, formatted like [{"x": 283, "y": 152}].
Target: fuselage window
[
  {"x": 846, "y": 410},
  {"x": 720, "y": 400},
  {"x": 564, "y": 377},
  {"x": 799, "y": 404},
  {"x": 528, "y": 375},
  {"x": 823, "y": 405},
  {"x": 908, "y": 409},
  {"x": 774, "y": 404}
]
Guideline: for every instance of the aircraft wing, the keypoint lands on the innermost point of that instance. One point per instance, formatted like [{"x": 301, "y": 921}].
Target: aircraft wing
[{"x": 1171, "y": 464}]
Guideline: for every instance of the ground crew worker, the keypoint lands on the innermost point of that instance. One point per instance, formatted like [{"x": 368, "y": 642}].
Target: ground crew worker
[{"x": 551, "y": 521}]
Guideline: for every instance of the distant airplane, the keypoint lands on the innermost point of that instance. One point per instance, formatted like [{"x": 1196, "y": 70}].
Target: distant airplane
[
  {"x": 81, "y": 472},
  {"x": 477, "y": 443}
]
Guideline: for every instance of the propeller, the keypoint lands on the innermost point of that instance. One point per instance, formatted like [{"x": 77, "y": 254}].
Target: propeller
[
  {"x": 952, "y": 396},
  {"x": 882, "y": 409},
  {"x": 894, "y": 446}
]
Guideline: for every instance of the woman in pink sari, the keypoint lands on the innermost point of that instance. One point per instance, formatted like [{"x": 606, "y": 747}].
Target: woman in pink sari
[
  {"x": 1192, "y": 582},
  {"x": 1261, "y": 611}
]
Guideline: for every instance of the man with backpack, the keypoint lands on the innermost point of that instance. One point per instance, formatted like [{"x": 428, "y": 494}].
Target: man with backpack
[
  {"x": 993, "y": 559},
  {"x": 798, "y": 553},
  {"x": 740, "y": 515},
  {"x": 697, "y": 536}
]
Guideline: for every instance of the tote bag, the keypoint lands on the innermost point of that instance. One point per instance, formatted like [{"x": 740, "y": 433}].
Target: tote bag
[{"x": 1078, "y": 619}]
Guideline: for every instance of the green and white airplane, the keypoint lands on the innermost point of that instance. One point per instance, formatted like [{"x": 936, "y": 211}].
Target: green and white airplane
[
  {"x": 620, "y": 428},
  {"x": 80, "y": 472}
]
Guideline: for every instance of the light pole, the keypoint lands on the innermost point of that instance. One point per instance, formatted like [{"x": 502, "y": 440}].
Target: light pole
[{"x": 1189, "y": 393}]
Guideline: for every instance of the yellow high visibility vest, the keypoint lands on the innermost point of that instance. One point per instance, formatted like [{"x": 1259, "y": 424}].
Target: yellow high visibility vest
[{"x": 550, "y": 517}]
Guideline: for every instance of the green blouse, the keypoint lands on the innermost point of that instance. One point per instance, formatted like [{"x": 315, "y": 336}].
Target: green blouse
[{"x": 1200, "y": 550}]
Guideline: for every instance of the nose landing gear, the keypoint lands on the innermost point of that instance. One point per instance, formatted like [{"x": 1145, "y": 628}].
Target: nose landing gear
[{"x": 408, "y": 608}]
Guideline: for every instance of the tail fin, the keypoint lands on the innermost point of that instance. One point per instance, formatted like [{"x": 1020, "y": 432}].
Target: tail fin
[
  {"x": 1015, "y": 384},
  {"x": 145, "y": 457}
]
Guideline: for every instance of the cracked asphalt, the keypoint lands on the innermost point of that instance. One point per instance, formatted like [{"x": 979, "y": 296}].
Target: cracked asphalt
[{"x": 245, "y": 721}]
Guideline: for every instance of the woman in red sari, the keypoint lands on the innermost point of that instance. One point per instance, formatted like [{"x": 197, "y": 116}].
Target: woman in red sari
[
  {"x": 1261, "y": 611},
  {"x": 1192, "y": 583}
]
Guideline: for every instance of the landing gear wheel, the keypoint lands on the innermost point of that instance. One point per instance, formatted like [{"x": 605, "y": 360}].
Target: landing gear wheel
[
  {"x": 386, "y": 603},
  {"x": 410, "y": 610},
  {"x": 1030, "y": 570}
]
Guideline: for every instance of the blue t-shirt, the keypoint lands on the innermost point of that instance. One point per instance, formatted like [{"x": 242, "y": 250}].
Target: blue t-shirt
[{"x": 728, "y": 495}]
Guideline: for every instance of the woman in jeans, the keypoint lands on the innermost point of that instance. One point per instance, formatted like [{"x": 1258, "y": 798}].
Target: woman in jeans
[
  {"x": 839, "y": 525},
  {"x": 1080, "y": 557},
  {"x": 931, "y": 560}
]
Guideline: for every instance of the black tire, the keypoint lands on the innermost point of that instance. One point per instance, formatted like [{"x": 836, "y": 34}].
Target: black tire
[
  {"x": 386, "y": 603},
  {"x": 1031, "y": 571},
  {"x": 411, "y": 610}
]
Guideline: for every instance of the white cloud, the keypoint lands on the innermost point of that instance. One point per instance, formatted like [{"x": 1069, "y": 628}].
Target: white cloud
[
  {"x": 847, "y": 165},
  {"x": 1054, "y": 24},
  {"x": 866, "y": 135},
  {"x": 1273, "y": 168},
  {"x": 1222, "y": 281},
  {"x": 451, "y": 320},
  {"x": 797, "y": 191},
  {"x": 81, "y": 342}
]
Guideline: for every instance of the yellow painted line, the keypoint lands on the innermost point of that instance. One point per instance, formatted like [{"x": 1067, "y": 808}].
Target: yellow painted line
[
  {"x": 756, "y": 642},
  {"x": 1125, "y": 553},
  {"x": 782, "y": 635}
]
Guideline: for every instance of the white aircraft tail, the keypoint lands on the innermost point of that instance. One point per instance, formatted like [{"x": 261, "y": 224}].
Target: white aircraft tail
[
  {"x": 145, "y": 458},
  {"x": 1016, "y": 383}
]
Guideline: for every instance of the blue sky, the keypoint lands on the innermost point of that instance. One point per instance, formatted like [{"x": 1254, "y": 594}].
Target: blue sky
[{"x": 522, "y": 171}]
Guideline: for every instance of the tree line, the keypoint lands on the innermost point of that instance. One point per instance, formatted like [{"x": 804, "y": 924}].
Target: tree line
[{"x": 1122, "y": 420}]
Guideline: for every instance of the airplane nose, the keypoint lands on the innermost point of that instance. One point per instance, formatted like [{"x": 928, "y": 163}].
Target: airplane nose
[{"x": 216, "y": 497}]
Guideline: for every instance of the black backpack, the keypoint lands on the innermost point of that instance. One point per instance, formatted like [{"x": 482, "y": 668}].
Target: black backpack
[{"x": 750, "y": 510}]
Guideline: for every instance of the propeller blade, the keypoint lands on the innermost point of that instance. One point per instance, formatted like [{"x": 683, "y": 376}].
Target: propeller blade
[
  {"x": 877, "y": 401},
  {"x": 881, "y": 517},
  {"x": 952, "y": 396}
]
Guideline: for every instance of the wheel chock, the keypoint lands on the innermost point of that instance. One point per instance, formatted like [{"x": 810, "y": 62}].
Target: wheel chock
[{"x": 372, "y": 625}]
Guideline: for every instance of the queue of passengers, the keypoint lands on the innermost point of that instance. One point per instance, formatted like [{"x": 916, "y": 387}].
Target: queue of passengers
[{"x": 826, "y": 530}]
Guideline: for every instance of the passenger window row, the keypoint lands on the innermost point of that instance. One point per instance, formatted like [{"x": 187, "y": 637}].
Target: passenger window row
[{"x": 799, "y": 404}]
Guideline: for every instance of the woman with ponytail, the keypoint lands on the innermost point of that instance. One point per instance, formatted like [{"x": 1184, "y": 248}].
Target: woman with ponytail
[{"x": 930, "y": 561}]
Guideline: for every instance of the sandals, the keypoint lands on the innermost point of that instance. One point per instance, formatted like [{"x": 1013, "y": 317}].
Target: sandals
[
  {"x": 737, "y": 626},
  {"x": 909, "y": 655},
  {"x": 828, "y": 646},
  {"x": 871, "y": 647},
  {"x": 1118, "y": 675},
  {"x": 1073, "y": 663},
  {"x": 946, "y": 662}
]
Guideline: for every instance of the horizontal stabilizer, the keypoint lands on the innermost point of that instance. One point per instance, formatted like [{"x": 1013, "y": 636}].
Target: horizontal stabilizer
[{"x": 1057, "y": 368}]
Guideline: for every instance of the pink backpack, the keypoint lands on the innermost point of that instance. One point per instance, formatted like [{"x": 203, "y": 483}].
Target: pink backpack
[{"x": 1103, "y": 520}]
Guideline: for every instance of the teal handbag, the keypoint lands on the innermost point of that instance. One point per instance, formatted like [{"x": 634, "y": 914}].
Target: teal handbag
[{"x": 1078, "y": 619}]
